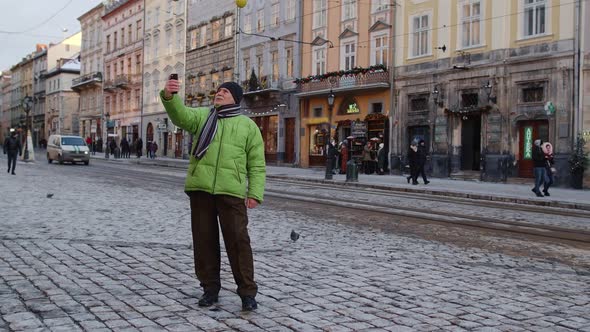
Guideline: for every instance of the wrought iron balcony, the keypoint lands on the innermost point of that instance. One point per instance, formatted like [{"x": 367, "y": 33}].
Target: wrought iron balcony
[
  {"x": 343, "y": 81},
  {"x": 87, "y": 80}
]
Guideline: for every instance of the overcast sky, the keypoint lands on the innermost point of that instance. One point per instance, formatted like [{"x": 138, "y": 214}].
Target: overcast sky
[{"x": 24, "y": 15}]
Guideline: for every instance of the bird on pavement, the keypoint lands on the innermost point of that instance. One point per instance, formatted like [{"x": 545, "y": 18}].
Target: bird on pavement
[
  {"x": 294, "y": 235},
  {"x": 49, "y": 195}
]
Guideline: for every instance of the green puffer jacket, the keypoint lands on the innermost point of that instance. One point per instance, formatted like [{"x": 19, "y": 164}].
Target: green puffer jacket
[{"x": 234, "y": 163}]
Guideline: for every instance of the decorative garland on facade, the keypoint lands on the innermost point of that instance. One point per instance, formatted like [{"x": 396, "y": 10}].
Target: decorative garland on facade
[
  {"x": 354, "y": 71},
  {"x": 375, "y": 116}
]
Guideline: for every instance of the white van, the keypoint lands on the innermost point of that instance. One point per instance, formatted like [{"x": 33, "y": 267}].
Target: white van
[{"x": 67, "y": 148}]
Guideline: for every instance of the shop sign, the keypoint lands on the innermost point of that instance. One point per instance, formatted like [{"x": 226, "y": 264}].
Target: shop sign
[
  {"x": 528, "y": 143},
  {"x": 353, "y": 108},
  {"x": 358, "y": 129},
  {"x": 93, "y": 128}
]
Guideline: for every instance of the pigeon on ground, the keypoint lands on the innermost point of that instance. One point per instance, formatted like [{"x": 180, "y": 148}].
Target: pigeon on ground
[
  {"x": 294, "y": 235},
  {"x": 49, "y": 195}
]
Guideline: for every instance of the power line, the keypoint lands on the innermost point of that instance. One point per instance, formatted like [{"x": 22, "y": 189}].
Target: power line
[{"x": 40, "y": 24}]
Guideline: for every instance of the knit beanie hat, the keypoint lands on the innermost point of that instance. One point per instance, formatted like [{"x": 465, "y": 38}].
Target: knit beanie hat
[{"x": 235, "y": 89}]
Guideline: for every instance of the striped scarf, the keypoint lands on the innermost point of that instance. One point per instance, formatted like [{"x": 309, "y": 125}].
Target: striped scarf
[{"x": 210, "y": 128}]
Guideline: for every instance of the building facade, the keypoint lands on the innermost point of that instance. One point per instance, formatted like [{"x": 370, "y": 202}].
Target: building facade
[
  {"x": 480, "y": 80},
  {"x": 123, "y": 58},
  {"x": 268, "y": 64},
  {"x": 38, "y": 112},
  {"x": 164, "y": 54},
  {"x": 583, "y": 10},
  {"x": 89, "y": 84},
  {"x": 355, "y": 37},
  {"x": 5, "y": 124},
  {"x": 62, "y": 103}
]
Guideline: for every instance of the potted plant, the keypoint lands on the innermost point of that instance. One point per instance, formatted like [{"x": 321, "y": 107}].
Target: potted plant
[{"x": 578, "y": 163}]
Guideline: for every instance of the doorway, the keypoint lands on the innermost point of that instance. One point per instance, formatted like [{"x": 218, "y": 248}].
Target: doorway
[
  {"x": 289, "y": 140},
  {"x": 528, "y": 132},
  {"x": 470, "y": 142}
]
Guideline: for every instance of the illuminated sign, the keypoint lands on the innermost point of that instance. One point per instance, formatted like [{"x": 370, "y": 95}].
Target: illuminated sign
[
  {"x": 528, "y": 143},
  {"x": 353, "y": 108}
]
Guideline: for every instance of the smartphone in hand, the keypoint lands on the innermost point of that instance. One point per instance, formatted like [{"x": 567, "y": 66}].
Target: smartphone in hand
[{"x": 173, "y": 77}]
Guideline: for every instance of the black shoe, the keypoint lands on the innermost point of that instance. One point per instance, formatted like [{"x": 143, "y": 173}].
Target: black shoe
[
  {"x": 408, "y": 178},
  {"x": 546, "y": 193},
  {"x": 8, "y": 171},
  {"x": 426, "y": 182},
  {"x": 415, "y": 183},
  {"x": 13, "y": 173},
  {"x": 538, "y": 193},
  {"x": 208, "y": 299},
  {"x": 249, "y": 303}
]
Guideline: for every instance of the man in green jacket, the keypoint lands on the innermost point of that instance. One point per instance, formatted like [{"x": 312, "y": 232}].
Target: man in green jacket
[{"x": 226, "y": 175}]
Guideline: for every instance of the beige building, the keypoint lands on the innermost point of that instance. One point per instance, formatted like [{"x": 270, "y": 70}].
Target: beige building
[
  {"x": 584, "y": 91},
  {"x": 61, "y": 102},
  {"x": 123, "y": 58},
  {"x": 89, "y": 84},
  {"x": 350, "y": 59},
  {"x": 164, "y": 54},
  {"x": 479, "y": 80},
  {"x": 4, "y": 104}
]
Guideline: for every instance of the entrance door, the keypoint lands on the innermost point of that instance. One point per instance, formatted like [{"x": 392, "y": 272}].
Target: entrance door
[
  {"x": 178, "y": 147},
  {"x": 165, "y": 153},
  {"x": 528, "y": 132},
  {"x": 289, "y": 140},
  {"x": 471, "y": 143}
]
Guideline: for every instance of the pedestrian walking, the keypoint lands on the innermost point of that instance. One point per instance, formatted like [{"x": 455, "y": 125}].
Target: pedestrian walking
[
  {"x": 549, "y": 167},
  {"x": 539, "y": 167},
  {"x": 153, "y": 149},
  {"x": 367, "y": 158},
  {"x": 226, "y": 176},
  {"x": 139, "y": 147},
  {"x": 422, "y": 157},
  {"x": 13, "y": 148},
  {"x": 413, "y": 162},
  {"x": 343, "y": 156}
]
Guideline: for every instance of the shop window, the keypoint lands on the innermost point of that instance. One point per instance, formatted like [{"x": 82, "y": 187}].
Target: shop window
[
  {"x": 317, "y": 142},
  {"x": 317, "y": 112},
  {"x": 533, "y": 94},
  {"x": 377, "y": 107}
]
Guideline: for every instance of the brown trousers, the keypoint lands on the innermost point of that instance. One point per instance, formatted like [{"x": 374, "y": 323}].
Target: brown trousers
[{"x": 233, "y": 219}]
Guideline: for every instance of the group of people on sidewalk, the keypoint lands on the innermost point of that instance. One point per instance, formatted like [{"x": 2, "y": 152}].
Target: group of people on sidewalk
[
  {"x": 543, "y": 167},
  {"x": 126, "y": 149},
  {"x": 417, "y": 155}
]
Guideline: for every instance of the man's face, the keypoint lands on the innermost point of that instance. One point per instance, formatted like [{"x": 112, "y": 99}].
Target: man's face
[{"x": 223, "y": 97}]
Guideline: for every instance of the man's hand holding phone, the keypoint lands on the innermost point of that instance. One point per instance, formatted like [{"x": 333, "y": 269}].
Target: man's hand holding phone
[{"x": 172, "y": 86}]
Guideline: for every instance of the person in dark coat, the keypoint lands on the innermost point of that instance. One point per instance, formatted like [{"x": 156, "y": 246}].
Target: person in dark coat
[
  {"x": 413, "y": 162},
  {"x": 539, "y": 167},
  {"x": 139, "y": 147},
  {"x": 549, "y": 169},
  {"x": 422, "y": 156},
  {"x": 12, "y": 147},
  {"x": 124, "y": 148},
  {"x": 343, "y": 157}
]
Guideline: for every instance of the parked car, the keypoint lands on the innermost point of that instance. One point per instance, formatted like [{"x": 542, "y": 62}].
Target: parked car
[{"x": 67, "y": 148}]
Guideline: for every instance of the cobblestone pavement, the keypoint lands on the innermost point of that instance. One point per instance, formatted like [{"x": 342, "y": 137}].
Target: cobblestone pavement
[{"x": 104, "y": 255}]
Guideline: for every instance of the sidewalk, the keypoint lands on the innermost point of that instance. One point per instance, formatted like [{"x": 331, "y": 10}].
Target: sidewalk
[{"x": 502, "y": 192}]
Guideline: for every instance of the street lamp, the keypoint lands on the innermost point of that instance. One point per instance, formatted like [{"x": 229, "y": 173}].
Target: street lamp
[
  {"x": 27, "y": 103},
  {"x": 488, "y": 89},
  {"x": 329, "y": 149},
  {"x": 437, "y": 96}
]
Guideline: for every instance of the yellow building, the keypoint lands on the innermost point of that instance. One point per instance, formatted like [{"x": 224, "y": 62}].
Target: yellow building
[{"x": 347, "y": 55}]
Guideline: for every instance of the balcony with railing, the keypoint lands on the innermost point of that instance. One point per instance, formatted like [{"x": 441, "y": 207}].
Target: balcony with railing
[
  {"x": 374, "y": 77},
  {"x": 123, "y": 81},
  {"x": 109, "y": 85},
  {"x": 88, "y": 80}
]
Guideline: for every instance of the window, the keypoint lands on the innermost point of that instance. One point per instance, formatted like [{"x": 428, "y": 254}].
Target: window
[
  {"x": 203, "y": 36},
  {"x": 534, "y": 17},
  {"x": 138, "y": 34},
  {"x": 169, "y": 9},
  {"x": 215, "y": 80},
  {"x": 215, "y": 26},
  {"x": 275, "y": 65},
  {"x": 129, "y": 66},
  {"x": 248, "y": 23},
  {"x": 130, "y": 34},
  {"x": 114, "y": 40},
  {"x": 320, "y": 13},
  {"x": 274, "y": 20},
  {"x": 317, "y": 112},
  {"x": 193, "y": 39},
  {"x": 108, "y": 43},
  {"x": 349, "y": 55},
  {"x": 228, "y": 26},
  {"x": 260, "y": 21},
  {"x": 148, "y": 19},
  {"x": 122, "y": 37},
  {"x": 203, "y": 82},
  {"x": 533, "y": 94},
  {"x": 108, "y": 73},
  {"x": 290, "y": 12},
  {"x": 380, "y": 50},
  {"x": 129, "y": 100},
  {"x": 246, "y": 68},
  {"x": 180, "y": 6},
  {"x": 349, "y": 9},
  {"x": 260, "y": 65},
  {"x": 147, "y": 55},
  {"x": 169, "y": 41},
  {"x": 137, "y": 96},
  {"x": 319, "y": 60},
  {"x": 114, "y": 104},
  {"x": 380, "y": 5},
  {"x": 179, "y": 37},
  {"x": 471, "y": 23},
  {"x": 138, "y": 64},
  {"x": 469, "y": 100},
  {"x": 289, "y": 52},
  {"x": 157, "y": 16},
  {"x": 419, "y": 103},
  {"x": 377, "y": 107},
  {"x": 156, "y": 44},
  {"x": 420, "y": 35}
]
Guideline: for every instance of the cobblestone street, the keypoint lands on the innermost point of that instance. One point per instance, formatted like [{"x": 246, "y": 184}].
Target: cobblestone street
[{"x": 115, "y": 254}]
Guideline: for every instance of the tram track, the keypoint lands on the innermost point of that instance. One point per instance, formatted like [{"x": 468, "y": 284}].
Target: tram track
[{"x": 306, "y": 194}]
